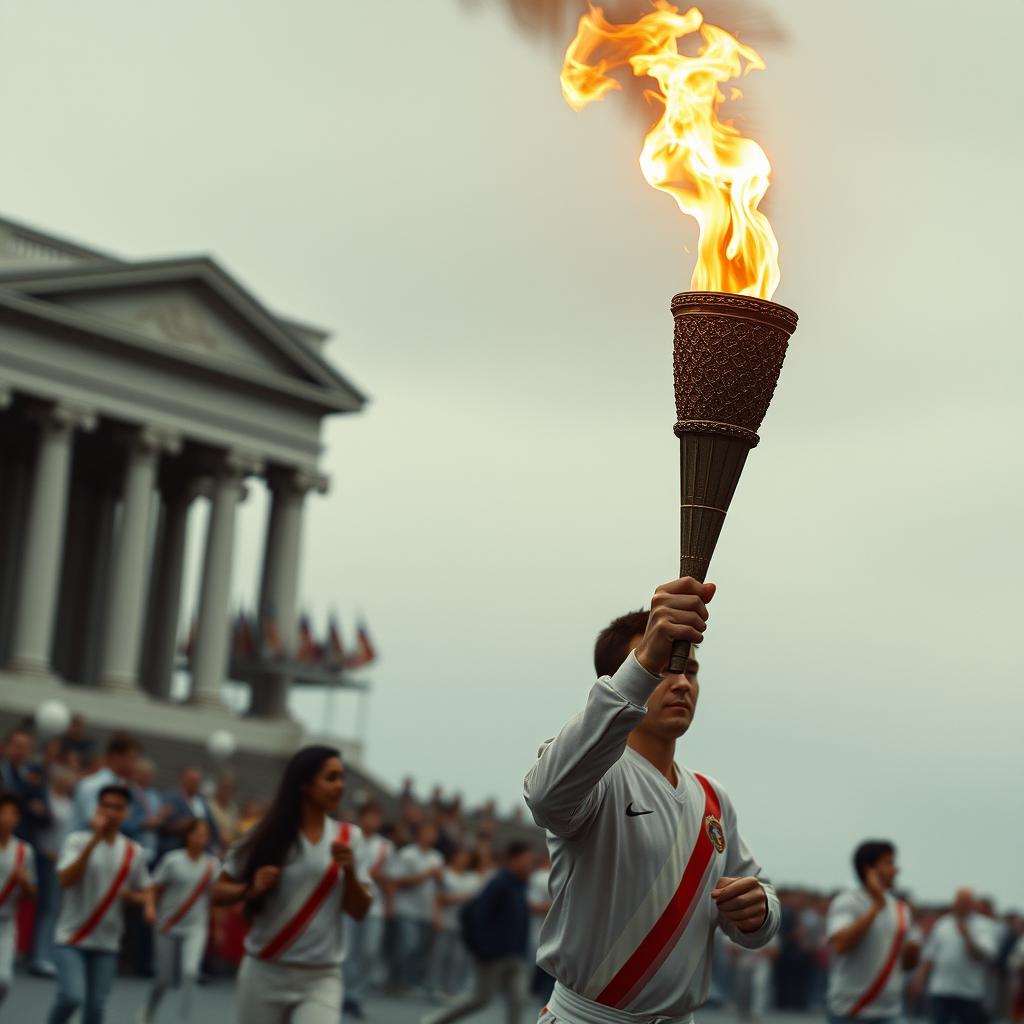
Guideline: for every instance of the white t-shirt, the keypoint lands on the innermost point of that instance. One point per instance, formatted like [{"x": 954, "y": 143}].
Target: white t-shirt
[
  {"x": 954, "y": 971},
  {"x": 415, "y": 901},
  {"x": 465, "y": 885},
  {"x": 178, "y": 875},
  {"x": 79, "y": 901},
  {"x": 621, "y": 839},
  {"x": 322, "y": 941},
  {"x": 853, "y": 973},
  {"x": 378, "y": 851},
  {"x": 8, "y": 865}
]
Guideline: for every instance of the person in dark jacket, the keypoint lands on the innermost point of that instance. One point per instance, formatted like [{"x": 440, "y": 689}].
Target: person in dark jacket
[
  {"x": 181, "y": 808},
  {"x": 496, "y": 929}
]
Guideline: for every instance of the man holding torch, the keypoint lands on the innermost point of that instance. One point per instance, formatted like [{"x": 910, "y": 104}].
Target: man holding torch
[{"x": 647, "y": 859}]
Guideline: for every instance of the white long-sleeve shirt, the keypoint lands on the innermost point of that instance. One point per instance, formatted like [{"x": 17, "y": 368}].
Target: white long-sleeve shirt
[{"x": 634, "y": 861}]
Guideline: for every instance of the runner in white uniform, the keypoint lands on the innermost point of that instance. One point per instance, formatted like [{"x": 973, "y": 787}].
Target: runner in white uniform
[
  {"x": 647, "y": 858},
  {"x": 873, "y": 941},
  {"x": 364, "y": 940},
  {"x": 298, "y": 872},
  {"x": 17, "y": 878},
  {"x": 182, "y": 882},
  {"x": 97, "y": 871}
]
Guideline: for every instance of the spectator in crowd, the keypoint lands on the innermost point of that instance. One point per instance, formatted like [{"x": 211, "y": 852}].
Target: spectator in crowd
[
  {"x": 148, "y": 810},
  {"x": 97, "y": 868},
  {"x": 873, "y": 940},
  {"x": 25, "y": 781},
  {"x": 539, "y": 894},
  {"x": 496, "y": 927},
  {"x": 122, "y": 753},
  {"x": 365, "y": 939},
  {"x": 182, "y": 807},
  {"x": 251, "y": 815},
  {"x": 79, "y": 743},
  {"x": 414, "y": 873},
  {"x": 225, "y": 810},
  {"x": 460, "y": 882},
  {"x": 17, "y": 878},
  {"x": 955, "y": 962},
  {"x": 59, "y": 795}
]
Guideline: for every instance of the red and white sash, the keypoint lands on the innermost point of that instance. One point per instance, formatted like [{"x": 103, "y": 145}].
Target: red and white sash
[
  {"x": 105, "y": 904},
  {"x": 190, "y": 901},
  {"x": 300, "y": 920},
  {"x": 15, "y": 876},
  {"x": 872, "y": 992},
  {"x": 654, "y": 948}
]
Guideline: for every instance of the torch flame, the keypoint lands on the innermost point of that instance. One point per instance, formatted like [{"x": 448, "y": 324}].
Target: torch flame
[{"x": 714, "y": 173}]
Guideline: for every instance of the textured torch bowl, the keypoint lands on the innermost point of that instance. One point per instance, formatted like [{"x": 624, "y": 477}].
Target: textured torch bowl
[{"x": 728, "y": 355}]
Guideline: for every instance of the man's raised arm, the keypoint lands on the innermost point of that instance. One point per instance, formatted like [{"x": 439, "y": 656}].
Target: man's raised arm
[{"x": 564, "y": 786}]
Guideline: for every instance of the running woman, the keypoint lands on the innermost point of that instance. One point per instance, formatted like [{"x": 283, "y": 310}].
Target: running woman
[
  {"x": 181, "y": 883},
  {"x": 647, "y": 858},
  {"x": 873, "y": 940},
  {"x": 17, "y": 878},
  {"x": 296, "y": 872},
  {"x": 97, "y": 870}
]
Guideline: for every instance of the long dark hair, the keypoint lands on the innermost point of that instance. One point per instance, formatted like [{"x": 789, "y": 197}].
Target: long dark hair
[{"x": 271, "y": 840}]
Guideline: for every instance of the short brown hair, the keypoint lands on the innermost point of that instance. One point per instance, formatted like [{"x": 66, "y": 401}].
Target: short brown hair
[
  {"x": 123, "y": 743},
  {"x": 612, "y": 646}
]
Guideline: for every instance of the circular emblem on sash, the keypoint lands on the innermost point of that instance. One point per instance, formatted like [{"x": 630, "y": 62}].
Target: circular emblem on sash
[{"x": 715, "y": 832}]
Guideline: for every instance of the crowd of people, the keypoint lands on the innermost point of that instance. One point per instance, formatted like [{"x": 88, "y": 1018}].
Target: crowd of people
[
  {"x": 792, "y": 973},
  {"x": 443, "y": 910}
]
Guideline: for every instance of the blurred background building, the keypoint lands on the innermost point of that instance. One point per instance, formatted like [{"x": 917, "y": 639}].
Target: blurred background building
[{"x": 130, "y": 393}]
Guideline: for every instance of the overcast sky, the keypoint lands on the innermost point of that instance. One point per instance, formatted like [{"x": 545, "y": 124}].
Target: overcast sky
[{"x": 497, "y": 276}]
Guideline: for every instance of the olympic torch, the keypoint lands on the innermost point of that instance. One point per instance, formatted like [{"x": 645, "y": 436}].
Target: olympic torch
[{"x": 730, "y": 339}]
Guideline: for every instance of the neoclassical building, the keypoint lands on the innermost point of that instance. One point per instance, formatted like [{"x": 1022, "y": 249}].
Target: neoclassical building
[{"x": 130, "y": 390}]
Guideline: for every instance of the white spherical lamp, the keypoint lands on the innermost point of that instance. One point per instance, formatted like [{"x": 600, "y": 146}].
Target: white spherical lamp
[
  {"x": 220, "y": 744},
  {"x": 52, "y": 718}
]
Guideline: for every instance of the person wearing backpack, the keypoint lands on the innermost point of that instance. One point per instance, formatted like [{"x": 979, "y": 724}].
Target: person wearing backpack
[{"x": 496, "y": 929}]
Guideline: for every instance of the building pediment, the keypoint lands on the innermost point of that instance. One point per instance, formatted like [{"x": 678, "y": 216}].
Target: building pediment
[{"x": 191, "y": 308}]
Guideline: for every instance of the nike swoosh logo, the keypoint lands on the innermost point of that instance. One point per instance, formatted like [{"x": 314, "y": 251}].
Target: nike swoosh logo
[{"x": 630, "y": 813}]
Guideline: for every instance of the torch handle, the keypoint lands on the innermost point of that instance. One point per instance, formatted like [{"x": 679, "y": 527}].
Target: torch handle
[{"x": 680, "y": 656}]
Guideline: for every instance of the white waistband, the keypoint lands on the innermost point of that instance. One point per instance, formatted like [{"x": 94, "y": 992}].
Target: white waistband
[{"x": 578, "y": 1010}]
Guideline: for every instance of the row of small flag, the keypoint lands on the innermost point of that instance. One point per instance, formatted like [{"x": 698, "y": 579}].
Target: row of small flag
[{"x": 261, "y": 638}]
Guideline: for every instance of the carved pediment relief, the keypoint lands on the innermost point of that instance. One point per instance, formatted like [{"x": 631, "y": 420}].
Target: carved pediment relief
[{"x": 183, "y": 315}]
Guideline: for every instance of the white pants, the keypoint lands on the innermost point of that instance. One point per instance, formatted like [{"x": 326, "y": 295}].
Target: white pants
[
  {"x": 7, "y": 947},
  {"x": 270, "y": 993},
  {"x": 178, "y": 959}
]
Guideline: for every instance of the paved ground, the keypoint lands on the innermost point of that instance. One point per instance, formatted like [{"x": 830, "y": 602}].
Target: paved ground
[{"x": 30, "y": 999}]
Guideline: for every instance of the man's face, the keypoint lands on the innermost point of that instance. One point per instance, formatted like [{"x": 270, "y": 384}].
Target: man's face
[
  {"x": 115, "y": 807},
  {"x": 670, "y": 709},
  {"x": 190, "y": 780},
  {"x": 18, "y": 748},
  {"x": 123, "y": 765},
  {"x": 887, "y": 870},
  {"x": 9, "y": 818}
]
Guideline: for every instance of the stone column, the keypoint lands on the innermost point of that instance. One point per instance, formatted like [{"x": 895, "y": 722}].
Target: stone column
[
  {"x": 210, "y": 657},
  {"x": 168, "y": 569},
  {"x": 36, "y": 603},
  {"x": 122, "y": 630},
  {"x": 279, "y": 584}
]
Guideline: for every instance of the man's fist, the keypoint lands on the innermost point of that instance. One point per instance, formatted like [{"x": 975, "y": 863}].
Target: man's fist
[
  {"x": 265, "y": 879},
  {"x": 100, "y": 822},
  {"x": 678, "y": 612},
  {"x": 741, "y": 901}
]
